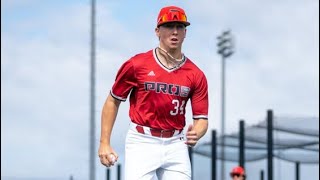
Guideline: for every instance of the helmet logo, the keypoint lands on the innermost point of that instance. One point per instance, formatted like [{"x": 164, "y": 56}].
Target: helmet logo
[
  {"x": 175, "y": 17},
  {"x": 174, "y": 14}
]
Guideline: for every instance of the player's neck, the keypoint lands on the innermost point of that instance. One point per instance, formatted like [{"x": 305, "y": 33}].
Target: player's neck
[
  {"x": 167, "y": 60},
  {"x": 174, "y": 54}
]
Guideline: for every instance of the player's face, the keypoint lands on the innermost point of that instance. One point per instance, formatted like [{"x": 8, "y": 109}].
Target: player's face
[
  {"x": 171, "y": 35},
  {"x": 237, "y": 177}
]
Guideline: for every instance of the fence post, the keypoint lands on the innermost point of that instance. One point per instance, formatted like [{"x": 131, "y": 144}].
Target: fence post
[
  {"x": 190, "y": 150},
  {"x": 213, "y": 155},
  {"x": 297, "y": 170},
  {"x": 119, "y": 172},
  {"x": 108, "y": 173},
  {"x": 241, "y": 144},
  {"x": 270, "y": 143},
  {"x": 261, "y": 175}
]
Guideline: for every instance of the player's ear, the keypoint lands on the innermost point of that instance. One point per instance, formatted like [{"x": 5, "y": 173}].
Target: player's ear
[{"x": 156, "y": 30}]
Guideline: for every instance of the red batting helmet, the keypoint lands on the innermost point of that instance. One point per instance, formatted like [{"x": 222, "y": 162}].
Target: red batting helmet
[
  {"x": 172, "y": 14},
  {"x": 238, "y": 170}
]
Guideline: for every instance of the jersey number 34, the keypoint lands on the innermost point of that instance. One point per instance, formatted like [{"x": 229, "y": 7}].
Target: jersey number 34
[{"x": 178, "y": 107}]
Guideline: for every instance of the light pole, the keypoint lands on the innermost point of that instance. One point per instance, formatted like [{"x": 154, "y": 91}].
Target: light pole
[
  {"x": 225, "y": 49},
  {"x": 92, "y": 149}
]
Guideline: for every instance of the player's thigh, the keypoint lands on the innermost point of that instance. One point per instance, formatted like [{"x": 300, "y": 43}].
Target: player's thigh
[
  {"x": 141, "y": 157},
  {"x": 177, "y": 164},
  {"x": 165, "y": 174}
]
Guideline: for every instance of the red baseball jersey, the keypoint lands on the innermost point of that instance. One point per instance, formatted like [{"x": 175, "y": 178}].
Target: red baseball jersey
[{"x": 159, "y": 95}]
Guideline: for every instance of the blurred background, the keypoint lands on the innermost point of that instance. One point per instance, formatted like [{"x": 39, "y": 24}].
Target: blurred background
[{"x": 45, "y": 75}]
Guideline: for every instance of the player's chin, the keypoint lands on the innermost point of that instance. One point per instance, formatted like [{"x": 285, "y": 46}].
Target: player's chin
[{"x": 174, "y": 45}]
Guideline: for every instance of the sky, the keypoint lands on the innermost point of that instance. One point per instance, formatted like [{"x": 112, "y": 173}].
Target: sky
[{"x": 45, "y": 73}]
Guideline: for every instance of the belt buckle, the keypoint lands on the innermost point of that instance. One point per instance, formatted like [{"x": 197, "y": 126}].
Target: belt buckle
[{"x": 171, "y": 132}]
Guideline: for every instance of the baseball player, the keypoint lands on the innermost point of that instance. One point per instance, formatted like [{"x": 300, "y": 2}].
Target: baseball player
[
  {"x": 238, "y": 173},
  {"x": 159, "y": 84}
]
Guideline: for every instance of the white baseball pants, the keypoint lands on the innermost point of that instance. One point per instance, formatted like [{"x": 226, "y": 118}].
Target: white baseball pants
[{"x": 151, "y": 158}]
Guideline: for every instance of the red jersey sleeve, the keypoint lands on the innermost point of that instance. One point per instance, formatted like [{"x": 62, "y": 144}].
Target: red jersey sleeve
[
  {"x": 199, "y": 98},
  {"x": 125, "y": 81}
]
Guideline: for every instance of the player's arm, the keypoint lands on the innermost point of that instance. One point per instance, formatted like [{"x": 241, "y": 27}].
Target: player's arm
[
  {"x": 108, "y": 117},
  {"x": 200, "y": 126},
  {"x": 125, "y": 81},
  {"x": 200, "y": 106},
  {"x": 196, "y": 131}
]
